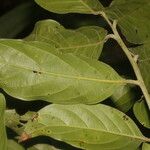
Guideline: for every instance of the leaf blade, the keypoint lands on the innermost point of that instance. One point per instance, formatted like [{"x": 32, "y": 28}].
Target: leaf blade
[
  {"x": 87, "y": 127},
  {"x": 60, "y": 77},
  {"x": 129, "y": 20},
  {"x": 86, "y": 41},
  {"x": 141, "y": 112},
  {"x": 71, "y": 6},
  {"x": 3, "y": 136}
]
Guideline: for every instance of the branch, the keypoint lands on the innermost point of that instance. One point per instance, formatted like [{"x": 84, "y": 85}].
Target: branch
[{"x": 136, "y": 69}]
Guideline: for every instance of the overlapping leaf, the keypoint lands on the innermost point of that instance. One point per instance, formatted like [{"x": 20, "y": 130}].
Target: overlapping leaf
[
  {"x": 34, "y": 70},
  {"x": 3, "y": 136},
  {"x": 146, "y": 146},
  {"x": 143, "y": 53},
  {"x": 13, "y": 145},
  {"x": 43, "y": 147},
  {"x": 142, "y": 113},
  {"x": 88, "y": 127},
  {"x": 124, "y": 98},
  {"x": 133, "y": 18},
  {"x": 87, "y": 41},
  {"x": 71, "y": 6}
]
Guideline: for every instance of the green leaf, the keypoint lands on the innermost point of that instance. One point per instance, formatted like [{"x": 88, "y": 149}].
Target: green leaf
[
  {"x": 133, "y": 18},
  {"x": 86, "y": 41},
  {"x": 3, "y": 136},
  {"x": 144, "y": 60},
  {"x": 124, "y": 98},
  {"x": 89, "y": 127},
  {"x": 34, "y": 70},
  {"x": 146, "y": 146},
  {"x": 12, "y": 120},
  {"x": 142, "y": 114},
  {"x": 16, "y": 20},
  {"x": 43, "y": 147},
  {"x": 12, "y": 145},
  {"x": 71, "y": 6}
]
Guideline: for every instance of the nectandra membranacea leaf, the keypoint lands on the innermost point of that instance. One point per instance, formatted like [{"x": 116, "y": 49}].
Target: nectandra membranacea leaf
[
  {"x": 43, "y": 147},
  {"x": 143, "y": 53},
  {"x": 34, "y": 70},
  {"x": 3, "y": 136},
  {"x": 124, "y": 98},
  {"x": 146, "y": 146},
  {"x": 13, "y": 145},
  {"x": 142, "y": 114},
  {"x": 133, "y": 18},
  {"x": 95, "y": 127},
  {"x": 71, "y": 6},
  {"x": 87, "y": 41}
]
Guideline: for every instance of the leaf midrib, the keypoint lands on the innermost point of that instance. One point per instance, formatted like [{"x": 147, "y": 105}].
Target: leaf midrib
[
  {"x": 142, "y": 139},
  {"x": 123, "y": 81}
]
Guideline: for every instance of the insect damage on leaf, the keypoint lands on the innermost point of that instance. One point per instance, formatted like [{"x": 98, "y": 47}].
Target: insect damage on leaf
[
  {"x": 24, "y": 137},
  {"x": 37, "y": 72}
]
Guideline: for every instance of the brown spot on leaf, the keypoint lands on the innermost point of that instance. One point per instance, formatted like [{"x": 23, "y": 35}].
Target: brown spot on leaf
[
  {"x": 34, "y": 117},
  {"x": 136, "y": 31},
  {"x": 37, "y": 72},
  {"x": 24, "y": 137}
]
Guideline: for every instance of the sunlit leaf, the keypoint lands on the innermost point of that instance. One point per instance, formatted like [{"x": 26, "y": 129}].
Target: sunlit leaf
[{"x": 89, "y": 127}]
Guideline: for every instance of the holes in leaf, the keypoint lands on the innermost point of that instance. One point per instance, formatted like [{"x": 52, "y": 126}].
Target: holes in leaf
[
  {"x": 37, "y": 72},
  {"x": 19, "y": 125},
  {"x": 136, "y": 31}
]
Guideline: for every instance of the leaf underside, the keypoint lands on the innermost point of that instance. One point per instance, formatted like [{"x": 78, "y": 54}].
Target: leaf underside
[
  {"x": 71, "y": 6},
  {"x": 124, "y": 98},
  {"x": 87, "y": 41},
  {"x": 141, "y": 112},
  {"x": 133, "y": 18},
  {"x": 3, "y": 136},
  {"x": 146, "y": 146},
  {"x": 34, "y": 70},
  {"x": 143, "y": 52},
  {"x": 88, "y": 127}
]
